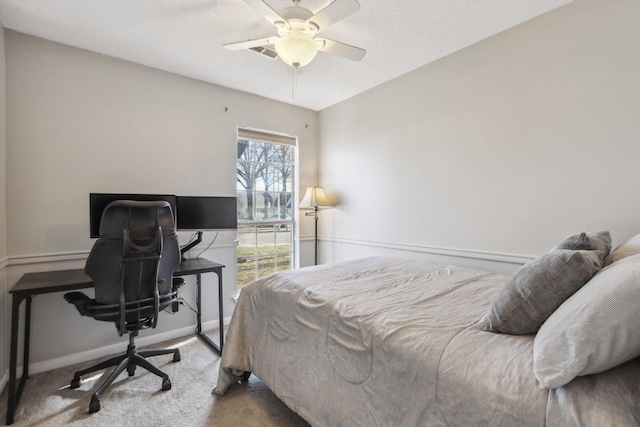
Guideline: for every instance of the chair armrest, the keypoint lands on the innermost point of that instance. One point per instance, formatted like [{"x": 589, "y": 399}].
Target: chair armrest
[
  {"x": 178, "y": 282},
  {"x": 80, "y": 300}
]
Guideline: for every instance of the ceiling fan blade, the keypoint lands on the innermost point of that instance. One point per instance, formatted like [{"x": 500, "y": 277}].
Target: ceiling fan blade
[
  {"x": 341, "y": 49},
  {"x": 250, "y": 43},
  {"x": 334, "y": 12},
  {"x": 265, "y": 10}
]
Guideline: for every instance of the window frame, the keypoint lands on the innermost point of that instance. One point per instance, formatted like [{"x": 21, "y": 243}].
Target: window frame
[{"x": 291, "y": 159}]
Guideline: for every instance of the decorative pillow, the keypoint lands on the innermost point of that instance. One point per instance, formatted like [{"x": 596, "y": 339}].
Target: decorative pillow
[
  {"x": 598, "y": 241},
  {"x": 539, "y": 287},
  {"x": 594, "y": 330},
  {"x": 628, "y": 248}
]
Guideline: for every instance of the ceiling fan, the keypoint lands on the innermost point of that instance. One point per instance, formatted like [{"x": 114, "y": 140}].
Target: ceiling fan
[{"x": 297, "y": 27}]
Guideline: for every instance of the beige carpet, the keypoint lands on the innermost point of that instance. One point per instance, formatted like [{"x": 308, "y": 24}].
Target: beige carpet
[{"x": 47, "y": 399}]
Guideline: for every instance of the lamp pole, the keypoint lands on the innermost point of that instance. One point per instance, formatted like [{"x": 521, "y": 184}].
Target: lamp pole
[
  {"x": 313, "y": 198},
  {"x": 315, "y": 213},
  {"x": 315, "y": 232}
]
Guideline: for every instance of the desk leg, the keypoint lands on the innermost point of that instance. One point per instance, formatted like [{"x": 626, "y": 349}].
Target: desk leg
[
  {"x": 199, "y": 303},
  {"x": 13, "y": 359},
  {"x": 220, "y": 310},
  {"x": 209, "y": 341},
  {"x": 13, "y": 392},
  {"x": 27, "y": 341}
]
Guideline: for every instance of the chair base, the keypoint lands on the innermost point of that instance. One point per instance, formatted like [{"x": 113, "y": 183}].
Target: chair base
[{"x": 128, "y": 361}]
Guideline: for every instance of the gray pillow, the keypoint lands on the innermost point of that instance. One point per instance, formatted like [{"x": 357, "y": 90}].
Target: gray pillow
[
  {"x": 598, "y": 241},
  {"x": 594, "y": 330},
  {"x": 539, "y": 287}
]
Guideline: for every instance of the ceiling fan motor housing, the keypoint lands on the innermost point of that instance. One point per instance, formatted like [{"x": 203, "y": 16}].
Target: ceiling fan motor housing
[{"x": 297, "y": 29}]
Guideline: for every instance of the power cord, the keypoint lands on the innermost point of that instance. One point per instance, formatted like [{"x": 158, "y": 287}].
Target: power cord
[
  {"x": 207, "y": 248},
  {"x": 181, "y": 301},
  {"x": 194, "y": 237}
]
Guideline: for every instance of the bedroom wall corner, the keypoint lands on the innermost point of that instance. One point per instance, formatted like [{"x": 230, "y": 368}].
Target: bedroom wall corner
[
  {"x": 4, "y": 300},
  {"x": 504, "y": 147}
]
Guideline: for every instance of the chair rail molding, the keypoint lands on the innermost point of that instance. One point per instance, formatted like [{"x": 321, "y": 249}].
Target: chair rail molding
[
  {"x": 47, "y": 258},
  {"x": 508, "y": 258},
  {"x": 17, "y": 260}
]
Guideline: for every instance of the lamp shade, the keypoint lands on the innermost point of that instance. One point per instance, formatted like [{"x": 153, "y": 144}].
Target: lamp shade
[
  {"x": 296, "y": 49},
  {"x": 314, "y": 197}
]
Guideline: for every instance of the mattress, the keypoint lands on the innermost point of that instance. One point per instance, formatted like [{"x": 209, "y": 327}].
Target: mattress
[{"x": 382, "y": 341}]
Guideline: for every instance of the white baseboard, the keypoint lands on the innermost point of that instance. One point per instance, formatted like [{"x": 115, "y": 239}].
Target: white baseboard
[{"x": 109, "y": 350}]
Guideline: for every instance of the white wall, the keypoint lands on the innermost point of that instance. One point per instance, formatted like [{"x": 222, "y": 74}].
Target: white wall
[
  {"x": 3, "y": 208},
  {"x": 492, "y": 154},
  {"x": 496, "y": 152},
  {"x": 80, "y": 122}
]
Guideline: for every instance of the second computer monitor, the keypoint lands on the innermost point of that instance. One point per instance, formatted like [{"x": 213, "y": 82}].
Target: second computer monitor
[{"x": 199, "y": 213}]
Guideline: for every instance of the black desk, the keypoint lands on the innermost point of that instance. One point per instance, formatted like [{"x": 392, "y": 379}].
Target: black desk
[
  {"x": 198, "y": 266},
  {"x": 32, "y": 284}
]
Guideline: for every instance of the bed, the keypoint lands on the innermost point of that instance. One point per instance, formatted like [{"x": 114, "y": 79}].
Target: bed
[{"x": 383, "y": 341}]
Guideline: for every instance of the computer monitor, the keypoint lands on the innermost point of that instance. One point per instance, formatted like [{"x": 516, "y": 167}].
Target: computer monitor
[
  {"x": 197, "y": 213},
  {"x": 99, "y": 201}
]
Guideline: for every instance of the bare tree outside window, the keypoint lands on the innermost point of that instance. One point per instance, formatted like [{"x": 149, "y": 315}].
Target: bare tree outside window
[{"x": 265, "y": 221}]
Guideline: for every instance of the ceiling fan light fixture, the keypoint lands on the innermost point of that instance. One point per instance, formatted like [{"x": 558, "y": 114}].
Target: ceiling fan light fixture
[{"x": 296, "y": 49}]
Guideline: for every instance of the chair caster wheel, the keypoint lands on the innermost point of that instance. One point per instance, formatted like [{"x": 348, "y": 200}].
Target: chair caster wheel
[
  {"x": 131, "y": 371},
  {"x": 176, "y": 357},
  {"x": 245, "y": 376},
  {"x": 75, "y": 383},
  {"x": 166, "y": 385},
  {"x": 94, "y": 406}
]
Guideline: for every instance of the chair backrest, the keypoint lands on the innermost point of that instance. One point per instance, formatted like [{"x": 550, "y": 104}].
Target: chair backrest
[{"x": 132, "y": 263}]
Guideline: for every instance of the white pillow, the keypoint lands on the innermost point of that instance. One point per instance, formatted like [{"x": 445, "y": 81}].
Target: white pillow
[
  {"x": 596, "y": 329},
  {"x": 628, "y": 248}
]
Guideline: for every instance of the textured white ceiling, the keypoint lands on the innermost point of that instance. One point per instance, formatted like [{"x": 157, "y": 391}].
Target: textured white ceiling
[{"x": 186, "y": 37}]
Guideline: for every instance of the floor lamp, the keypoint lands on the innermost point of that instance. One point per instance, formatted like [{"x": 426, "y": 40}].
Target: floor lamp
[{"x": 313, "y": 199}]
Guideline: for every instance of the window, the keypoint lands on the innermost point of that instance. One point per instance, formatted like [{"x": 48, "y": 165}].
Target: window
[{"x": 265, "y": 171}]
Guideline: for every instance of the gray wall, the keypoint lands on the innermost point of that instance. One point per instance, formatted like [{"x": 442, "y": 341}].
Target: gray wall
[
  {"x": 3, "y": 206},
  {"x": 493, "y": 154},
  {"x": 485, "y": 158},
  {"x": 80, "y": 122}
]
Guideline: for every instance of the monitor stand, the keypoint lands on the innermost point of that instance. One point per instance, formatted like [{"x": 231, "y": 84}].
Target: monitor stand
[{"x": 188, "y": 247}]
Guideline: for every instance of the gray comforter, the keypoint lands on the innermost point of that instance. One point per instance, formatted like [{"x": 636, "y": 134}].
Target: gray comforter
[{"x": 394, "y": 342}]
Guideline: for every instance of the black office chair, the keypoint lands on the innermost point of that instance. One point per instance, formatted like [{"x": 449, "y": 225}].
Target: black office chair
[{"x": 131, "y": 265}]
